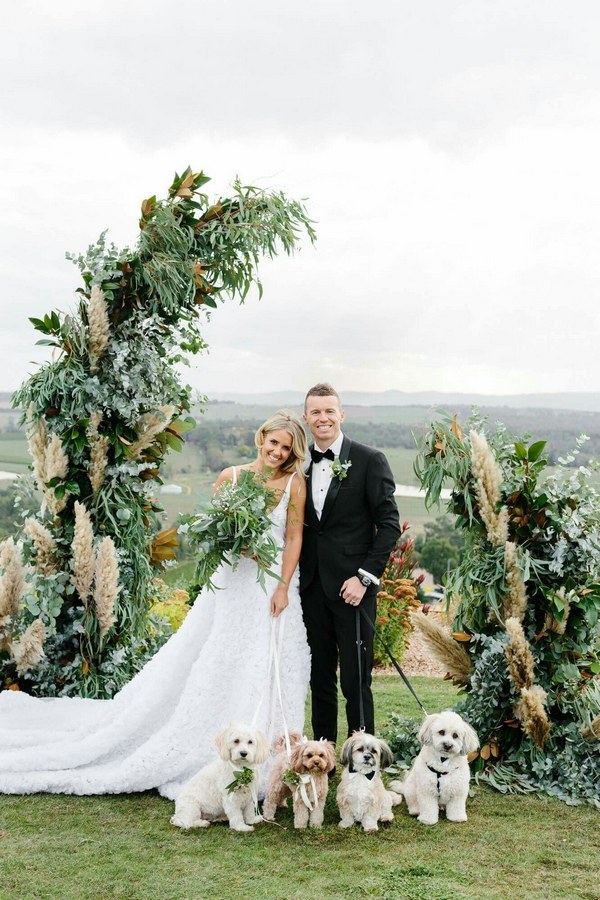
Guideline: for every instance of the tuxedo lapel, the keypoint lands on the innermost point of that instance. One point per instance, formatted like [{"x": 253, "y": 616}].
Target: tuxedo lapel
[
  {"x": 310, "y": 514},
  {"x": 336, "y": 483}
]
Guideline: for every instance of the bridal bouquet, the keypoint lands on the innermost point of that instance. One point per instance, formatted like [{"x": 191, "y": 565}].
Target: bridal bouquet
[{"x": 236, "y": 524}]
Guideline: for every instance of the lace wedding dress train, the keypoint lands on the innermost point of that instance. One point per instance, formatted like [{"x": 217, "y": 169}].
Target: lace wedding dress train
[{"x": 160, "y": 728}]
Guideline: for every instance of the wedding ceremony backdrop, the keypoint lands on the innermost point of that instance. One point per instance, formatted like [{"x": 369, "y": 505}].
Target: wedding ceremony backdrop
[
  {"x": 524, "y": 643},
  {"x": 75, "y": 588},
  {"x": 79, "y": 610}
]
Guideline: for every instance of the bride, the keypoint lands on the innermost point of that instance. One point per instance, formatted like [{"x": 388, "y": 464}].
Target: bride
[{"x": 218, "y": 667}]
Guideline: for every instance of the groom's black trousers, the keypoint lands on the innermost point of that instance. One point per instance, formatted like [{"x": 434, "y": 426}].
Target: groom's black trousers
[{"x": 331, "y": 629}]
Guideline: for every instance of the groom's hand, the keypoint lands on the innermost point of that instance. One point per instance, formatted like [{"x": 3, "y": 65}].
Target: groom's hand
[{"x": 352, "y": 591}]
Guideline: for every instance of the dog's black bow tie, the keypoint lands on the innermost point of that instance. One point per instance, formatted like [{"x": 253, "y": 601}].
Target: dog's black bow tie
[{"x": 317, "y": 456}]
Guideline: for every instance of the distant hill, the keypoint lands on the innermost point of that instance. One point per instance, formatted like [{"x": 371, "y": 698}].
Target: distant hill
[{"x": 584, "y": 401}]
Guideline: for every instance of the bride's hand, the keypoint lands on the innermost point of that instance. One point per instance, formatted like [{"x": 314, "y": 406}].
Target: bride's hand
[{"x": 279, "y": 600}]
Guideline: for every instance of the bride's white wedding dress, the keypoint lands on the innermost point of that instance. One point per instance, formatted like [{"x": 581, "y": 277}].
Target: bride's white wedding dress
[{"x": 160, "y": 728}]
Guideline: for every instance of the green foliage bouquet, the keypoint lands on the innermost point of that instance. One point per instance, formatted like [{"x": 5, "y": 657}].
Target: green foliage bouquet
[{"x": 237, "y": 524}]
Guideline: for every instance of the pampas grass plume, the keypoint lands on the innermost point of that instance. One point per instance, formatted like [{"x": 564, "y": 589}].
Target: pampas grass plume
[
  {"x": 149, "y": 427},
  {"x": 83, "y": 558},
  {"x": 519, "y": 659},
  {"x": 593, "y": 731},
  {"x": 28, "y": 651},
  {"x": 444, "y": 648},
  {"x": 37, "y": 440},
  {"x": 515, "y": 602},
  {"x": 532, "y": 715},
  {"x": 12, "y": 582},
  {"x": 99, "y": 327},
  {"x": 44, "y": 543},
  {"x": 99, "y": 445},
  {"x": 488, "y": 478},
  {"x": 57, "y": 466},
  {"x": 106, "y": 586}
]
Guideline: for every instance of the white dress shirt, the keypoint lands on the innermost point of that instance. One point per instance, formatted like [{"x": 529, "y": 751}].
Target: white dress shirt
[{"x": 321, "y": 475}]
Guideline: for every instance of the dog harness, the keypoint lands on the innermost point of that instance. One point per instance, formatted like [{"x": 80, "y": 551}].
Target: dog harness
[{"x": 438, "y": 773}]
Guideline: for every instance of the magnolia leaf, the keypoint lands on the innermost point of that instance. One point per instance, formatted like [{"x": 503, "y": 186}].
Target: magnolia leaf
[
  {"x": 535, "y": 450},
  {"x": 521, "y": 450},
  {"x": 486, "y": 751}
]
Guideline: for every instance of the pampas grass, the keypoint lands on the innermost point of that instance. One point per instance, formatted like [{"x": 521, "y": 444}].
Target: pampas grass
[
  {"x": 593, "y": 731},
  {"x": 83, "y": 559},
  {"x": 106, "y": 585},
  {"x": 488, "y": 478},
  {"x": 28, "y": 651},
  {"x": 56, "y": 466},
  {"x": 99, "y": 445},
  {"x": 515, "y": 602},
  {"x": 519, "y": 659},
  {"x": 44, "y": 543},
  {"x": 531, "y": 713},
  {"x": 99, "y": 327},
  {"x": 12, "y": 583},
  {"x": 149, "y": 427},
  {"x": 37, "y": 441},
  {"x": 444, "y": 648}
]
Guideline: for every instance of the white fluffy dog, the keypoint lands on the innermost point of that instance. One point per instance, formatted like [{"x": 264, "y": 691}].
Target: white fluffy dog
[
  {"x": 212, "y": 795},
  {"x": 361, "y": 794},
  {"x": 439, "y": 777}
]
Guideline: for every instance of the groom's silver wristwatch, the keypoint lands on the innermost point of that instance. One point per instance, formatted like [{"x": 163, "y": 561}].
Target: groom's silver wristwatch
[{"x": 364, "y": 579}]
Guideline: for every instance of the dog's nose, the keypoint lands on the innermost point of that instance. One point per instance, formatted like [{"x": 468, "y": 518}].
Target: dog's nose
[
  {"x": 368, "y": 757},
  {"x": 447, "y": 746},
  {"x": 243, "y": 753}
]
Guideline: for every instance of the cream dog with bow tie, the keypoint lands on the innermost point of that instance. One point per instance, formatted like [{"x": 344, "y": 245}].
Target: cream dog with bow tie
[{"x": 361, "y": 795}]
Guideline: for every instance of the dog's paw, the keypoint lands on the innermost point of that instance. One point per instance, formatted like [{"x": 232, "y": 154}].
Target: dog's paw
[
  {"x": 425, "y": 820},
  {"x": 243, "y": 827},
  {"x": 185, "y": 825},
  {"x": 387, "y": 819},
  {"x": 257, "y": 818},
  {"x": 345, "y": 823},
  {"x": 457, "y": 818}
]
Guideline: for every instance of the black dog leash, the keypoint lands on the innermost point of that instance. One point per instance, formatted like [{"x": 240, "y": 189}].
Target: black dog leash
[
  {"x": 361, "y": 704},
  {"x": 363, "y": 612}
]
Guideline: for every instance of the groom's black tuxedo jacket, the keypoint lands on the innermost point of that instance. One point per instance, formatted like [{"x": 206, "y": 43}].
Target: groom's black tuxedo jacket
[{"x": 359, "y": 525}]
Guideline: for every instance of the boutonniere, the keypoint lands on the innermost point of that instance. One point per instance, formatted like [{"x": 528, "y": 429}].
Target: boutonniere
[
  {"x": 339, "y": 469},
  {"x": 241, "y": 779}
]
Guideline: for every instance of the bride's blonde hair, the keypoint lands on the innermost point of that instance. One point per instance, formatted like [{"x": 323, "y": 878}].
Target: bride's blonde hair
[{"x": 283, "y": 420}]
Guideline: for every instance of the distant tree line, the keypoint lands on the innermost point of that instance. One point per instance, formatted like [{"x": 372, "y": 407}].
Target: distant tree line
[{"x": 221, "y": 440}]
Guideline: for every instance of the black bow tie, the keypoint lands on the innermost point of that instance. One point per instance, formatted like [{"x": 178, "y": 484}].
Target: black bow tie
[{"x": 317, "y": 456}]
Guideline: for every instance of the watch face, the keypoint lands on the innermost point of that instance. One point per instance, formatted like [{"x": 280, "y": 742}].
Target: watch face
[{"x": 364, "y": 580}]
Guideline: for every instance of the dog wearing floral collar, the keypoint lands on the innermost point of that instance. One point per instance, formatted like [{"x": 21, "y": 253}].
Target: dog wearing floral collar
[
  {"x": 225, "y": 789},
  {"x": 303, "y": 777}
]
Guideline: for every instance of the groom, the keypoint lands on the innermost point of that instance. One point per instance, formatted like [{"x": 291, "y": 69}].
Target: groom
[{"x": 351, "y": 527}]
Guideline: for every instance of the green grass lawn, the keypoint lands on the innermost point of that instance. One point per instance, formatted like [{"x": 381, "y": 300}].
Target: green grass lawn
[{"x": 96, "y": 848}]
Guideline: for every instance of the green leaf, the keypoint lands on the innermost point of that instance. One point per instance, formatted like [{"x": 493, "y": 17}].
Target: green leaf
[
  {"x": 39, "y": 325},
  {"x": 535, "y": 450},
  {"x": 520, "y": 450}
]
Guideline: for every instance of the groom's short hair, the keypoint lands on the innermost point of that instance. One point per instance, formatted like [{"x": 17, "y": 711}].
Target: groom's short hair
[{"x": 323, "y": 389}]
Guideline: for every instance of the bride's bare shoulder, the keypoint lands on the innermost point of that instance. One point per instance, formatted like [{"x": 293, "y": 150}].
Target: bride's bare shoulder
[{"x": 223, "y": 477}]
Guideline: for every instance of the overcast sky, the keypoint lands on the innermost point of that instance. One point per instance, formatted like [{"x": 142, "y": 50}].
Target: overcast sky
[{"x": 449, "y": 153}]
